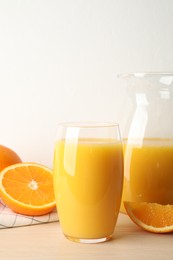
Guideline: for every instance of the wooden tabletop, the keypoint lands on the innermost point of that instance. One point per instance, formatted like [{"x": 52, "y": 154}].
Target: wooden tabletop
[{"x": 46, "y": 242}]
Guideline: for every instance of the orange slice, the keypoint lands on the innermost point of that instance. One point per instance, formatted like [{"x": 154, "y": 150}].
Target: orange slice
[
  {"x": 152, "y": 217},
  {"x": 27, "y": 188}
]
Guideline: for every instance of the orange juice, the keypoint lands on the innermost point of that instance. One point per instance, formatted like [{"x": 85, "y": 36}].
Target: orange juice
[
  {"x": 148, "y": 171},
  {"x": 88, "y": 178}
]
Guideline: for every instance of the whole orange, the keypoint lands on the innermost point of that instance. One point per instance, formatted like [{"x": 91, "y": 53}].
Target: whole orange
[{"x": 8, "y": 157}]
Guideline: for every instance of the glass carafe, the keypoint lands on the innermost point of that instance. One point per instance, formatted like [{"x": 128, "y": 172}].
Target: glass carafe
[{"x": 147, "y": 131}]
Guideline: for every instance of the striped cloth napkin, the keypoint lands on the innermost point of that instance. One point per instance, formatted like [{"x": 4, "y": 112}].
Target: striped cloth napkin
[{"x": 10, "y": 219}]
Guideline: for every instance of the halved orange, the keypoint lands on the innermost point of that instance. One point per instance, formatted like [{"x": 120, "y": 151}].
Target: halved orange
[
  {"x": 152, "y": 217},
  {"x": 27, "y": 188}
]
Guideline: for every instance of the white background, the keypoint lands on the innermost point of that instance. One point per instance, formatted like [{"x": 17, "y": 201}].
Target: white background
[{"x": 59, "y": 60}]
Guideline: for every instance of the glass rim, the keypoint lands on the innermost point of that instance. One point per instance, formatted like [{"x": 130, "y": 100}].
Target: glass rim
[
  {"x": 144, "y": 74},
  {"x": 88, "y": 124}
]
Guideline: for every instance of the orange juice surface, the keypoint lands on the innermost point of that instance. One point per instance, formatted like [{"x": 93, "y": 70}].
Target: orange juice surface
[
  {"x": 148, "y": 171},
  {"x": 88, "y": 178}
]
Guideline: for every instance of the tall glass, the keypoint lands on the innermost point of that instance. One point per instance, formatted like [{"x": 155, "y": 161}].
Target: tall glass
[{"x": 88, "y": 179}]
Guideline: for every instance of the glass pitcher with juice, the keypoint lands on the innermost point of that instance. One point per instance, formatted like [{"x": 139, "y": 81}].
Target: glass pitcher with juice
[{"x": 148, "y": 138}]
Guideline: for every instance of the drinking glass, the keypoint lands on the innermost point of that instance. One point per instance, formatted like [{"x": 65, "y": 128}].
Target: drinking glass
[{"x": 88, "y": 179}]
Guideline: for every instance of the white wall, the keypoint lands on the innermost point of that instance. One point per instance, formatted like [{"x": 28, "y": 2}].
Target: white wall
[{"x": 59, "y": 60}]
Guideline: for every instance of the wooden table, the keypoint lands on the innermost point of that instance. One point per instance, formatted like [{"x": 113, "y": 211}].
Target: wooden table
[{"x": 46, "y": 242}]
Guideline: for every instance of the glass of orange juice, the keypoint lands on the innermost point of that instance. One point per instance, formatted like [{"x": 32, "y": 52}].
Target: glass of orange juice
[{"x": 88, "y": 180}]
